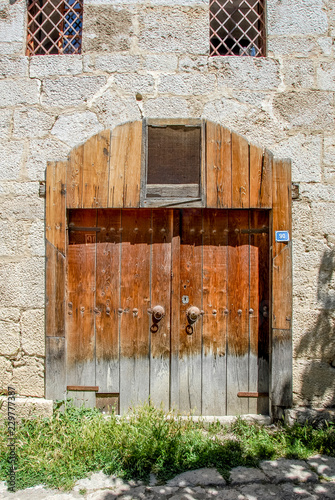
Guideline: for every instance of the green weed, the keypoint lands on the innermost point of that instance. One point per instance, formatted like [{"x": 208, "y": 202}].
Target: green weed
[{"x": 76, "y": 441}]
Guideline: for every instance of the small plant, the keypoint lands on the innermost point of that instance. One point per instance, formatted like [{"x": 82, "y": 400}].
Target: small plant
[{"x": 77, "y": 441}]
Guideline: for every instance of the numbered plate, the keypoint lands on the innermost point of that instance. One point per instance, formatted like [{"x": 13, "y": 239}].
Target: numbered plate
[{"x": 282, "y": 236}]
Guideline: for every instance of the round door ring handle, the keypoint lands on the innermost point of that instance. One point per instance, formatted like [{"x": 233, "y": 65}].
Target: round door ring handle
[
  {"x": 193, "y": 314},
  {"x": 158, "y": 312}
]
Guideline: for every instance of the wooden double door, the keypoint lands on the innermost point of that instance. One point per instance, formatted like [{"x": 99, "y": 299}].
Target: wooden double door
[{"x": 171, "y": 305}]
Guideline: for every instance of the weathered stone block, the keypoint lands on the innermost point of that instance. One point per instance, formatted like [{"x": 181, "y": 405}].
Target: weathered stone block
[
  {"x": 10, "y": 314},
  {"x": 6, "y": 371},
  {"x": 12, "y": 21},
  {"x": 326, "y": 45},
  {"x": 13, "y": 67},
  {"x": 5, "y": 123},
  {"x": 40, "y": 152},
  {"x": 56, "y": 65},
  {"x": 329, "y": 149},
  {"x": 119, "y": 63},
  {"x": 297, "y": 46},
  {"x": 167, "y": 29},
  {"x": 169, "y": 107},
  {"x": 113, "y": 110},
  {"x": 107, "y": 28},
  {"x": 316, "y": 417},
  {"x": 301, "y": 219},
  {"x": 70, "y": 91},
  {"x": 22, "y": 208},
  {"x": 193, "y": 63},
  {"x": 247, "y": 73},
  {"x": 305, "y": 152},
  {"x": 313, "y": 383},
  {"x": 31, "y": 122},
  {"x": 9, "y": 338},
  {"x": 11, "y": 154},
  {"x": 133, "y": 83},
  {"x": 317, "y": 191},
  {"x": 299, "y": 73},
  {"x": 187, "y": 84},
  {"x": 11, "y": 49},
  {"x": 32, "y": 332},
  {"x": 305, "y": 109},
  {"x": 13, "y": 238},
  {"x": 314, "y": 334},
  {"x": 28, "y": 408},
  {"x": 326, "y": 76},
  {"x": 14, "y": 92},
  {"x": 301, "y": 17},
  {"x": 76, "y": 128},
  {"x": 323, "y": 217},
  {"x": 28, "y": 376},
  {"x": 22, "y": 283},
  {"x": 36, "y": 239},
  {"x": 24, "y": 188},
  {"x": 160, "y": 62}
]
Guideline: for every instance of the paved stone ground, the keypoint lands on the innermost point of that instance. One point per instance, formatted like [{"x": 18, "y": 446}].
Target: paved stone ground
[{"x": 281, "y": 479}]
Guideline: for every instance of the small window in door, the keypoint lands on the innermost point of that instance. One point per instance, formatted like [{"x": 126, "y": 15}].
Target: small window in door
[
  {"x": 237, "y": 27},
  {"x": 173, "y": 163}
]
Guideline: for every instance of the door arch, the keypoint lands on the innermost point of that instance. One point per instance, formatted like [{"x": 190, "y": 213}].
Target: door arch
[{"x": 243, "y": 192}]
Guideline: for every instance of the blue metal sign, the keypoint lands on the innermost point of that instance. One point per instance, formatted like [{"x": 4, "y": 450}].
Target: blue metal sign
[{"x": 282, "y": 236}]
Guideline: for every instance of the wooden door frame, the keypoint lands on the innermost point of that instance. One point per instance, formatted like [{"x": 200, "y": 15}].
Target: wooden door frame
[{"x": 108, "y": 171}]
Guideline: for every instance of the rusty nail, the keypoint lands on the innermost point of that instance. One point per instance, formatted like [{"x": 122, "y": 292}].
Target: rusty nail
[
  {"x": 214, "y": 312},
  {"x": 120, "y": 310},
  {"x": 251, "y": 311},
  {"x": 226, "y": 312}
]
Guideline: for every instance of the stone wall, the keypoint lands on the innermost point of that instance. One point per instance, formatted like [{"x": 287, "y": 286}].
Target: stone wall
[{"x": 150, "y": 59}]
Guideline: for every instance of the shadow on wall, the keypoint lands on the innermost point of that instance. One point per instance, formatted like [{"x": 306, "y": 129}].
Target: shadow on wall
[{"x": 317, "y": 346}]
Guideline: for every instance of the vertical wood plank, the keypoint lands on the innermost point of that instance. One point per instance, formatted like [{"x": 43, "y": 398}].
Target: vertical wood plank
[
  {"x": 215, "y": 317},
  {"x": 260, "y": 177},
  {"x": 55, "y": 292},
  {"x": 108, "y": 300},
  {"x": 175, "y": 310},
  {"x": 240, "y": 172},
  {"x": 238, "y": 307},
  {"x": 125, "y": 166},
  {"x": 80, "y": 313},
  {"x": 190, "y": 286},
  {"x": 55, "y": 368},
  {"x": 132, "y": 171},
  {"x": 55, "y": 204},
  {"x": 219, "y": 171},
  {"x": 74, "y": 183},
  {"x": 161, "y": 295},
  {"x": 118, "y": 153},
  {"x": 281, "y": 369},
  {"x": 282, "y": 258},
  {"x": 135, "y": 302},
  {"x": 259, "y": 309},
  {"x": 95, "y": 171}
]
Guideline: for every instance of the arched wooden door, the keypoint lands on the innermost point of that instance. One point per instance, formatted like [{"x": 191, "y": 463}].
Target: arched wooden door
[{"x": 207, "y": 268}]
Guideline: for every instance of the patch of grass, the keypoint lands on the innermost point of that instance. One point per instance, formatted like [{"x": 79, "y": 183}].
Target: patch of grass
[{"x": 76, "y": 441}]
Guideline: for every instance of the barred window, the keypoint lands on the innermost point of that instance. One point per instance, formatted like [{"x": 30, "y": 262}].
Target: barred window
[
  {"x": 54, "y": 27},
  {"x": 237, "y": 27}
]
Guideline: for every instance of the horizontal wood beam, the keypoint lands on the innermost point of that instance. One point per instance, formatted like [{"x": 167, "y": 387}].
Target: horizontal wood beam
[
  {"x": 93, "y": 388},
  {"x": 252, "y": 394}
]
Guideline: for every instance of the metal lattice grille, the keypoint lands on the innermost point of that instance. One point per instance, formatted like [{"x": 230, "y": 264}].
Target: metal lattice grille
[
  {"x": 54, "y": 27},
  {"x": 237, "y": 27}
]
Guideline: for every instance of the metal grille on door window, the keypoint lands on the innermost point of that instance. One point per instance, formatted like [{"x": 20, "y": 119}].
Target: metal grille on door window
[
  {"x": 54, "y": 27},
  {"x": 237, "y": 27}
]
